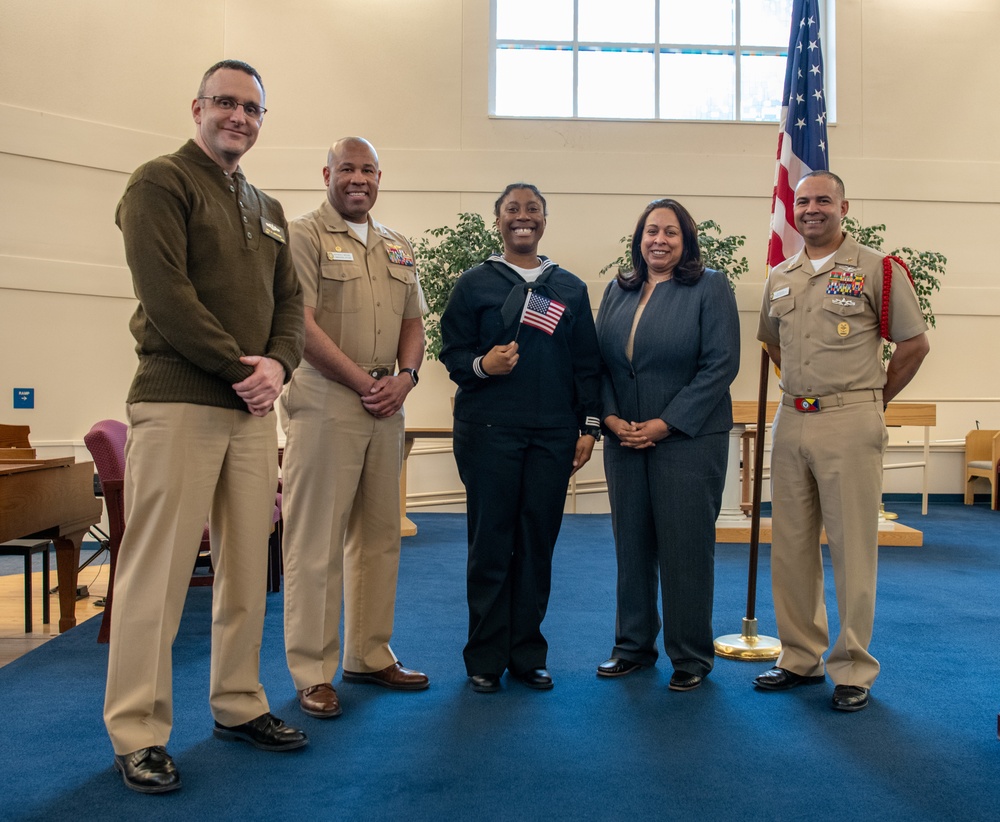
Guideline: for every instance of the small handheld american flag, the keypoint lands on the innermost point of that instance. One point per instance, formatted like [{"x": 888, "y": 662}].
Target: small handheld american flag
[{"x": 541, "y": 312}]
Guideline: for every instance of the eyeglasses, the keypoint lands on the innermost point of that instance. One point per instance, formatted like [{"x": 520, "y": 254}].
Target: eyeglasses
[{"x": 228, "y": 104}]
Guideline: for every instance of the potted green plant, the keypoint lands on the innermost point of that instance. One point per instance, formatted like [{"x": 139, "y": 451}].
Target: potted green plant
[
  {"x": 926, "y": 267},
  {"x": 440, "y": 264}
]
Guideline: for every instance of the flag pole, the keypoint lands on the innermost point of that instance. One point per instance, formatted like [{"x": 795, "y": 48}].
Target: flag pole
[
  {"x": 524, "y": 308},
  {"x": 748, "y": 645},
  {"x": 802, "y": 147}
]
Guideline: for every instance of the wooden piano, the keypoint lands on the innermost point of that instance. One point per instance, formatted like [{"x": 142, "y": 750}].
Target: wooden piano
[{"x": 51, "y": 498}]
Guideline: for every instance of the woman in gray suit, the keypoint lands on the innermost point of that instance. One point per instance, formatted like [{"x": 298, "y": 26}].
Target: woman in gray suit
[{"x": 670, "y": 340}]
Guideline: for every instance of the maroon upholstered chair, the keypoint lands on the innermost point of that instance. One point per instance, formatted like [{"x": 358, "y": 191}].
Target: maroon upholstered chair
[{"x": 106, "y": 443}]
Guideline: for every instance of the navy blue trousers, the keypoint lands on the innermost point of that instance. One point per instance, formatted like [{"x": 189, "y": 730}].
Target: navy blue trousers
[{"x": 515, "y": 481}]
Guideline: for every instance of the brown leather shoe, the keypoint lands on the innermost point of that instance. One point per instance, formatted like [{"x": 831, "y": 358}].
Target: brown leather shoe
[
  {"x": 320, "y": 701},
  {"x": 395, "y": 677}
]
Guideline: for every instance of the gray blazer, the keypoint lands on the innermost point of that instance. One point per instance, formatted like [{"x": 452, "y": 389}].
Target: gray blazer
[{"x": 686, "y": 354}]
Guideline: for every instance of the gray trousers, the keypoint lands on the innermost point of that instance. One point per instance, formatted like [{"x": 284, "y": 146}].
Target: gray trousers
[{"x": 664, "y": 503}]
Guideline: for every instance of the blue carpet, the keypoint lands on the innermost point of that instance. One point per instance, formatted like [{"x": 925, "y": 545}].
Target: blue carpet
[{"x": 926, "y": 749}]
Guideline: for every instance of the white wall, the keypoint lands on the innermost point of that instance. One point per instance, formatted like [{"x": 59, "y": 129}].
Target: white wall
[{"x": 93, "y": 89}]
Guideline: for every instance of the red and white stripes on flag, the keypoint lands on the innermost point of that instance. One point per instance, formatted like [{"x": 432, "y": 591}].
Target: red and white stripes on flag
[
  {"x": 541, "y": 312},
  {"x": 802, "y": 144}
]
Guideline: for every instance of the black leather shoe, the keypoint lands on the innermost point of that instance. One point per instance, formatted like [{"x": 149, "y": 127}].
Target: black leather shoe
[
  {"x": 616, "y": 666},
  {"x": 537, "y": 678},
  {"x": 850, "y": 698},
  {"x": 485, "y": 683},
  {"x": 683, "y": 681},
  {"x": 148, "y": 770},
  {"x": 266, "y": 732},
  {"x": 779, "y": 679}
]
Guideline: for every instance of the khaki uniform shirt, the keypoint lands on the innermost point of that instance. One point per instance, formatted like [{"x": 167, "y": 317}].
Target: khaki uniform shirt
[
  {"x": 827, "y": 322},
  {"x": 361, "y": 294}
]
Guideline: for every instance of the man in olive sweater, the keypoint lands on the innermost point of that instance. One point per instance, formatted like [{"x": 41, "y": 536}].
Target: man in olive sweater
[{"x": 218, "y": 331}]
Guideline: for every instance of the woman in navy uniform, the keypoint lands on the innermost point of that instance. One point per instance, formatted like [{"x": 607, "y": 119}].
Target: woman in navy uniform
[{"x": 526, "y": 418}]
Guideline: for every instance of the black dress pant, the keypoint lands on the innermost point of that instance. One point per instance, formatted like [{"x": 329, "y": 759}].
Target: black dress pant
[{"x": 515, "y": 481}]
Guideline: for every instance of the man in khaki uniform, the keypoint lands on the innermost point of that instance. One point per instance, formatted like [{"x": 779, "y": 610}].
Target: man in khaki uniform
[
  {"x": 821, "y": 322},
  {"x": 343, "y": 416}
]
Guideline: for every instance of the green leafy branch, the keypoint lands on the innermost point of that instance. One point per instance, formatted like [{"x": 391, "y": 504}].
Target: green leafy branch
[
  {"x": 927, "y": 267},
  {"x": 440, "y": 264}
]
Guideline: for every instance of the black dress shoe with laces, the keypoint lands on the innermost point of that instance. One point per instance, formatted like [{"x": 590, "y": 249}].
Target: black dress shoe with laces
[
  {"x": 537, "y": 678},
  {"x": 266, "y": 732},
  {"x": 616, "y": 666},
  {"x": 485, "y": 683},
  {"x": 683, "y": 681},
  {"x": 148, "y": 770},
  {"x": 850, "y": 698},
  {"x": 779, "y": 679}
]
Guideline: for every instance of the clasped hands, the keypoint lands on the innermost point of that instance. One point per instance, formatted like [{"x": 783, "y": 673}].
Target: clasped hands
[
  {"x": 386, "y": 395},
  {"x": 637, "y": 435},
  {"x": 262, "y": 387}
]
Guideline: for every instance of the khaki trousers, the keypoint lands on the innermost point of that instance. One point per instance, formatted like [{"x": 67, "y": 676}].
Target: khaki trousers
[
  {"x": 340, "y": 506},
  {"x": 186, "y": 464},
  {"x": 826, "y": 469}
]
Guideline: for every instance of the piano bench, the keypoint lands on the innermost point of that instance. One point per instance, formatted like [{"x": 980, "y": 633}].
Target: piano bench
[{"x": 27, "y": 548}]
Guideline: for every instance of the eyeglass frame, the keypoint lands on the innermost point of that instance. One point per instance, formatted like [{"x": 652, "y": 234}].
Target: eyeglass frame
[{"x": 236, "y": 104}]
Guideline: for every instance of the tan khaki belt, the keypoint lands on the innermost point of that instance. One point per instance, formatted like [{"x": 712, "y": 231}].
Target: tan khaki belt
[{"x": 811, "y": 405}]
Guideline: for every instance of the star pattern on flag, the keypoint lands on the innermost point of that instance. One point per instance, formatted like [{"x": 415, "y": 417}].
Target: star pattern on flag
[
  {"x": 802, "y": 142},
  {"x": 806, "y": 99},
  {"x": 541, "y": 312}
]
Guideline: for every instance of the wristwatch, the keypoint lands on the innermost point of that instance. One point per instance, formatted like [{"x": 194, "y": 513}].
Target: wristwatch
[
  {"x": 412, "y": 372},
  {"x": 592, "y": 430}
]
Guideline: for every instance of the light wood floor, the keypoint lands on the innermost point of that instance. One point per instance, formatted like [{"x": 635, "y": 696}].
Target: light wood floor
[{"x": 14, "y": 642}]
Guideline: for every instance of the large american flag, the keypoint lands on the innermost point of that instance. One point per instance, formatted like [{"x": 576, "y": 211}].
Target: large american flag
[
  {"x": 541, "y": 312},
  {"x": 802, "y": 145}
]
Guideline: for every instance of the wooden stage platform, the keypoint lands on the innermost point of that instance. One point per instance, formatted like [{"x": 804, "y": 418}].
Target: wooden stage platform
[{"x": 889, "y": 533}]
